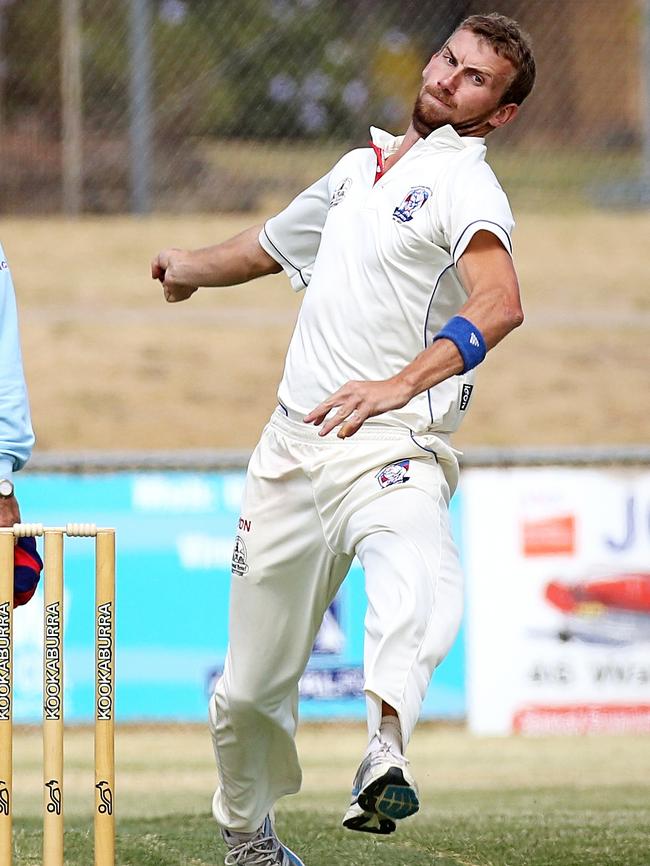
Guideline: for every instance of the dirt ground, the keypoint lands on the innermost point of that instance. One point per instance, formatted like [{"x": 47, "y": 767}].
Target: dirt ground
[{"x": 111, "y": 366}]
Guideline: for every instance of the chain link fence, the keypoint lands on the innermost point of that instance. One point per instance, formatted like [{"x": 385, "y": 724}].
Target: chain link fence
[{"x": 110, "y": 106}]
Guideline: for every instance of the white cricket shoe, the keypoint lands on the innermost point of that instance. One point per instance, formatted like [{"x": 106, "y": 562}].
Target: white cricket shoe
[
  {"x": 383, "y": 792},
  {"x": 263, "y": 849}
]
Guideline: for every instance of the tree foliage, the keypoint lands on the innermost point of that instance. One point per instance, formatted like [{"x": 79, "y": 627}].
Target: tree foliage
[{"x": 235, "y": 68}]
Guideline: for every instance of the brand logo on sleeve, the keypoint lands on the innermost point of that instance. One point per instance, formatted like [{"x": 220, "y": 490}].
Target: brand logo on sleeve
[
  {"x": 340, "y": 191},
  {"x": 465, "y": 394},
  {"x": 394, "y": 473},
  {"x": 413, "y": 201}
]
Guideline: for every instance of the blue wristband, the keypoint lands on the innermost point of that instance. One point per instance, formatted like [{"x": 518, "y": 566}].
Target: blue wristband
[{"x": 467, "y": 338}]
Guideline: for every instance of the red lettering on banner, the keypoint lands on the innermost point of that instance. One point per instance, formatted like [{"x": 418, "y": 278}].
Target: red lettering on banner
[
  {"x": 552, "y": 536},
  {"x": 583, "y": 719}
]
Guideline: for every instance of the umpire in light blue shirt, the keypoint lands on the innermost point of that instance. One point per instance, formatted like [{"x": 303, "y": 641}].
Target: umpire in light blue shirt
[{"x": 16, "y": 434}]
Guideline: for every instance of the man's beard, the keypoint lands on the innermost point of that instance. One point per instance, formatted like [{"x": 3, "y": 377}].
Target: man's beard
[{"x": 427, "y": 117}]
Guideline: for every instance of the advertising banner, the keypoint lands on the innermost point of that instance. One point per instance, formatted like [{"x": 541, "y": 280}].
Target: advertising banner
[
  {"x": 175, "y": 534},
  {"x": 558, "y": 562}
]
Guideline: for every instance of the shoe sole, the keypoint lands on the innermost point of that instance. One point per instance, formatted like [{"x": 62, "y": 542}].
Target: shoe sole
[
  {"x": 366, "y": 822},
  {"x": 383, "y": 802}
]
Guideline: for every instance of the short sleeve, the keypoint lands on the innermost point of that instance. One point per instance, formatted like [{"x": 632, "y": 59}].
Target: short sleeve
[
  {"x": 293, "y": 236},
  {"x": 474, "y": 202}
]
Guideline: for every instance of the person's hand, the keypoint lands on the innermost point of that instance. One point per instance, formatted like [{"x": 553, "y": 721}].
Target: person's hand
[
  {"x": 168, "y": 267},
  {"x": 9, "y": 511},
  {"x": 358, "y": 401}
]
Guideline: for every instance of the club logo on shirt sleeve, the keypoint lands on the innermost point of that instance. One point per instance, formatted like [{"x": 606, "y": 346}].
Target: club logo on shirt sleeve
[
  {"x": 394, "y": 473},
  {"x": 412, "y": 202},
  {"x": 339, "y": 193}
]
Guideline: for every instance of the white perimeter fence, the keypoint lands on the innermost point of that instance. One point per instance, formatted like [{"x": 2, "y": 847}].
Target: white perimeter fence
[{"x": 213, "y": 459}]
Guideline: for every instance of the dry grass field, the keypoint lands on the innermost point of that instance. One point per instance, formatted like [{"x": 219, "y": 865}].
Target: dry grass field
[
  {"x": 111, "y": 366},
  {"x": 444, "y": 757}
]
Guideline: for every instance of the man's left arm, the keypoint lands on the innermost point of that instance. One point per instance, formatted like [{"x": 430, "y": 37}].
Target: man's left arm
[{"x": 493, "y": 308}]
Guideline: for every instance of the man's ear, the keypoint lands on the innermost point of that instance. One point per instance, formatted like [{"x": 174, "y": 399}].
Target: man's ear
[{"x": 504, "y": 114}]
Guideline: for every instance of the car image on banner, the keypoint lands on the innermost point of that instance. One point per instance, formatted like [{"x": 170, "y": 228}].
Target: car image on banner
[{"x": 613, "y": 609}]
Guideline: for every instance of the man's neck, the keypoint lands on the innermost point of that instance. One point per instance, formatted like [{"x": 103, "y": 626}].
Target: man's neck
[{"x": 411, "y": 137}]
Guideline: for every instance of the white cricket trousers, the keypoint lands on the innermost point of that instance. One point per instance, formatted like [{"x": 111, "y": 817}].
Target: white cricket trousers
[{"x": 310, "y": 505}]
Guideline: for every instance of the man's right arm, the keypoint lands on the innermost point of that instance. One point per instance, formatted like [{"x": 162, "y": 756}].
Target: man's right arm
[{"x": 234, "y": 261}]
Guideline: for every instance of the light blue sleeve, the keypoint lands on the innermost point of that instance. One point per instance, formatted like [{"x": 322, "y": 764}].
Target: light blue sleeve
[{"x": 16, "y": 434}]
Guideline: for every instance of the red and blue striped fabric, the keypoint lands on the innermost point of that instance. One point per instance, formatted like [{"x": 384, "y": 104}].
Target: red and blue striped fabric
[{"x": 27, "y": 570}]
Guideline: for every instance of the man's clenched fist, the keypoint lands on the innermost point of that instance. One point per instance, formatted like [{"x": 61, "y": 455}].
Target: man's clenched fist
[{"x": 171, "y": 268}]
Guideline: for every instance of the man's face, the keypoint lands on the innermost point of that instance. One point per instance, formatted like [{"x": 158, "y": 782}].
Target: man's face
[{"x": 463, "y": 85}]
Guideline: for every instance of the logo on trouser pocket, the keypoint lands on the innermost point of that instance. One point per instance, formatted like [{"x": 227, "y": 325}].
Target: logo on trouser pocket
[
  {"x": 239, "y": 557},
  {"x": 394, "y": 473}
]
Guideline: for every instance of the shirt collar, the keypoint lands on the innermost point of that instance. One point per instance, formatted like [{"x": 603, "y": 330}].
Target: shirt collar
[{"x": 444, "y": 137}]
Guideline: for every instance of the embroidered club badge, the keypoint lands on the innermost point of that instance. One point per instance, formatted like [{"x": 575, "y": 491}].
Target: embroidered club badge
[
  {"x": 394, "y": 473},
  {"x": 412, "y": 202}
]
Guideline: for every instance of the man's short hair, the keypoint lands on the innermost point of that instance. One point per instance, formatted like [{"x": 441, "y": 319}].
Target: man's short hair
[{"x": 510, "y": 42}]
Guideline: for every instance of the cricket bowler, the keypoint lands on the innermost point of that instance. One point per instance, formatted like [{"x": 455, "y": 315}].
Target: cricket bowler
[{"x": 403, "y": 251}]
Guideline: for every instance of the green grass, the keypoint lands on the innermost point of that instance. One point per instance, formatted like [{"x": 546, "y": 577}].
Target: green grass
[
  {"x": 502, "y": 802},
  {"x": 509, "y": 828}
]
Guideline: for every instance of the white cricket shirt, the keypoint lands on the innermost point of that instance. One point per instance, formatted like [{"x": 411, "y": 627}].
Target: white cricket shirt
[{"x": 378, "y": 261}]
